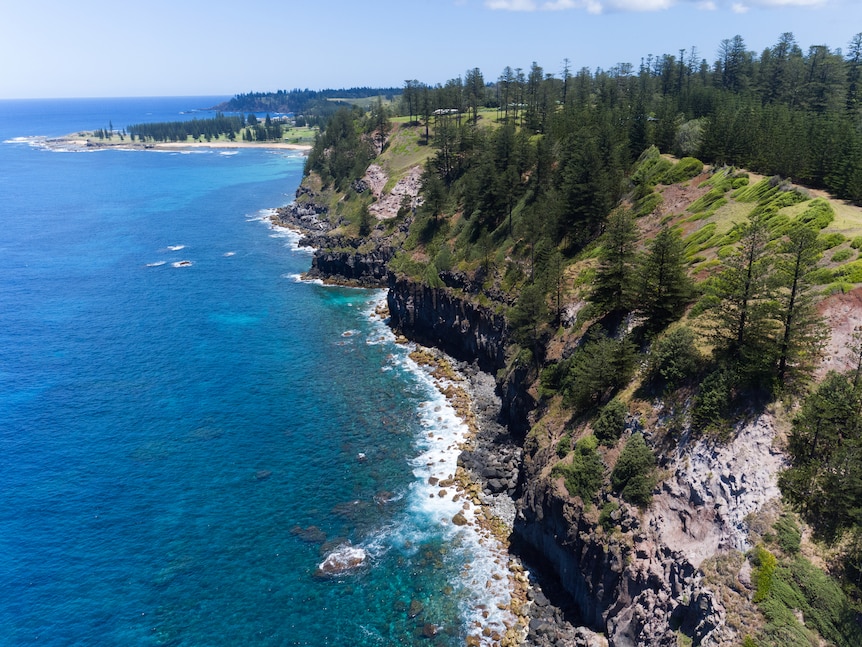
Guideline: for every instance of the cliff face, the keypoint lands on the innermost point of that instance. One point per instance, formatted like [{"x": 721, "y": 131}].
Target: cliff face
[
  {"x": 343, "y": 261},
  {"x": 639, "y": 578},
  {"x": 437, "y": 317}
]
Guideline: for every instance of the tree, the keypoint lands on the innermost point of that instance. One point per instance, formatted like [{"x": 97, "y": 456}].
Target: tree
[
  {"x": 613, "y": 283},
  {"x": 583, "y": 476},
  {"x": 803, "y": 333},
  {"x": 666, "y": 286},
  {"x": 825, "y": 446},
  {"x": 744, "y": 330},
  {"x": 365, "y": 219},
  {"x": 474, "y": 85},
  {"x": 611, "y": 422},
  {"x": 527, "y": 317}
]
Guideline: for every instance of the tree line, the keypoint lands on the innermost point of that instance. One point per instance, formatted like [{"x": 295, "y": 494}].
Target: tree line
[
  {"x": 232, "y": 126},
  {"x": 314, "y": 107}
]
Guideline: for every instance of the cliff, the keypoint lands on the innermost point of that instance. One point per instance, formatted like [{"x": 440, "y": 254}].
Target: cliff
[{"x": 671, "y": 572}]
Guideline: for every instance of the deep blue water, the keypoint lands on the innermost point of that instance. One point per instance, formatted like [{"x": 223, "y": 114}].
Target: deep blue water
[{"x": 169, "y": 434}]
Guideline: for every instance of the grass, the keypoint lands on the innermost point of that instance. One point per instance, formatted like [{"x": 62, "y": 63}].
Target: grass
[{"x": 404, "y": 151}]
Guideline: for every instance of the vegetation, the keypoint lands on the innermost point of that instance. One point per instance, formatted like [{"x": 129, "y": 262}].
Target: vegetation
[
  {"x": 220, "y": 126},
  {"x": 625, "y": 273}
]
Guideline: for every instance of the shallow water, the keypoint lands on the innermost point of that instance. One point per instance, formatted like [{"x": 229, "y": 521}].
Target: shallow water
[{"x": 188, "y": 431}]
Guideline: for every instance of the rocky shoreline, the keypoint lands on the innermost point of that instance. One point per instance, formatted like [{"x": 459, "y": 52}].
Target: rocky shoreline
[{"x": 490, "y": 462}]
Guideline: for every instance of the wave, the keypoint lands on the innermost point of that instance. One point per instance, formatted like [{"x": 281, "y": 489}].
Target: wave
[
  {"x": 343, "y": 559},
  {"x": 156, "y": 264},
  {"x": 176, "y": 248},
  {"x": 229, "y": 254},
  {"x": 437, "y": 502},
  {"x": 182, "y": 264}
]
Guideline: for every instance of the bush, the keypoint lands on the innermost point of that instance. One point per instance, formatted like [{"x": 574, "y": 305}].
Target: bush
[
  {"x": 856, "y": 243},
  {"x": 842, "y": 255},
  {"x": 611, "y": 423},
  {"x": 647, "y": 204},
  {"x": 583, "y": 476},
  {"x": 787, "y": 535},
  {"x": 634, "y": 474},
  {"x": 605, "y": 519},
  {"x": 685, "y": 169},
  {"x": 819, "y": 213},
  {"x": 674, "y": 358},
  {"x": 764, "y": 570},
  {"x": 850, "y": 273},
  {"x": 564, "y": 446},
  {"x": 828, "y": 241}
]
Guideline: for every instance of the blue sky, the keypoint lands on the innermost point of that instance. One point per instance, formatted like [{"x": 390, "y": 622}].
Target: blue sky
[{"x": 99, "y": 48}]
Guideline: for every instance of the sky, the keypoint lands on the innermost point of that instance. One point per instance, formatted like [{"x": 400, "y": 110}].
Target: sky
[{"x": 104, "y": 48}]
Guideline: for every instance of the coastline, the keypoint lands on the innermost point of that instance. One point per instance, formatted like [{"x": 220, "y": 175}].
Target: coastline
[
  {"x": 488, "y": 465},
  {"x": 72, "y": 142}
]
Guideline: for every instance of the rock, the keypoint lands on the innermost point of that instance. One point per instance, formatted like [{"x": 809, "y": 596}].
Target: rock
[
  {"x": 459, "y": 519},
  {"x": 416, "y": 607},
  {"x": 341, "y": 560}
]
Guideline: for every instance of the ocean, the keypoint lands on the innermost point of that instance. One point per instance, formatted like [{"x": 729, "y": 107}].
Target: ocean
[{"x": 189, "y": 432}]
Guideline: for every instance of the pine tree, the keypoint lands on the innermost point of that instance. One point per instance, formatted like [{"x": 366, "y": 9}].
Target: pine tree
[
  {"x": 666, "y": 286},
  {"x": 803, "y": 331},
  {"x": 745, "y": 327},
  {"x": 613, "y": 285}
]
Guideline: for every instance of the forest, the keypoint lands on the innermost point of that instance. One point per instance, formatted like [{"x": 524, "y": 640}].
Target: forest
[
  {"x": 535, "y": 182},
  {"x": 231, "y": 127}
]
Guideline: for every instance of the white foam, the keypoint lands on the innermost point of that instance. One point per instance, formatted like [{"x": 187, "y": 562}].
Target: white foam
[
  {"x": 298, "y": 278},
  {"x": 228, "y": 254},
  {"x": 156, "y": 264},
  {"x": 485, "y": 582},
  {"x": 176, "y": 248},
  {"x": 228, "y": 153},
  {"x": 343, "y": 559},
  {"x": 182, "y": 264}
]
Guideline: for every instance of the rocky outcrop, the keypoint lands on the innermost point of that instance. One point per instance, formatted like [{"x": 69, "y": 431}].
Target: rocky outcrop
[
  {"x": 638, "y": 578},
  {"x": 306, "y": 216},
  {"x": 350, "y": 261},
  {"x": 440, "y": 318}
]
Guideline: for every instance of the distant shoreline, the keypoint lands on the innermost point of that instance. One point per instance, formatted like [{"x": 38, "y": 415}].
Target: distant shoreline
[{"x": 85, "y": 143}]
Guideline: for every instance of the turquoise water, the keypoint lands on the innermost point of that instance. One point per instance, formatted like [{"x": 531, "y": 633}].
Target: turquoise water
[{"x": 187, "y": 431}]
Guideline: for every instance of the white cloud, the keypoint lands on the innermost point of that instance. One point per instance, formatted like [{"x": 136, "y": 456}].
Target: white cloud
[{"x": 602, "y": 6}]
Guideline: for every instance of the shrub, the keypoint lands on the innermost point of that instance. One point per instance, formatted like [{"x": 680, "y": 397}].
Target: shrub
[
  {"x": 674, "y": 358},
  {"x": 787, "y": 535},
  {"x": 850, "y": 273},
  {"x": 651, "y": 167},
  {"x": 830, "y": 240},
  {"x": 564, "y": 446},
  {"x": 819, "y": 213},
  {"x": 696, "y": 241},
  {"x": 583, "y": 476},
  {"x": 842, "y": 255},
  {"x": 685, "y": 169},
  {"x": 764, "y": 570},
  {"x": 611, "y": 423},
  {"x": 634, "y": 474},
  {"x": 647, "y": 204},
  {"x": 605, "y": 516},
  {"x": 856, "y": 243}
]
